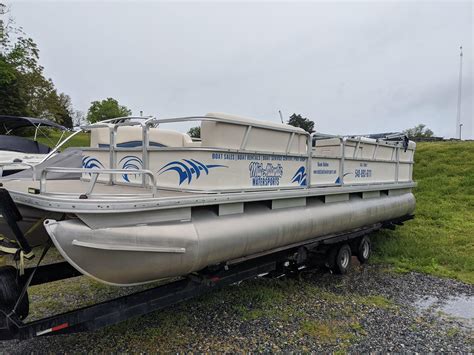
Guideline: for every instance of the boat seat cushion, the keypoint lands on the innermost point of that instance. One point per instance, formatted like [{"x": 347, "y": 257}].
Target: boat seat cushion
[{"x": 263, "y": 136}]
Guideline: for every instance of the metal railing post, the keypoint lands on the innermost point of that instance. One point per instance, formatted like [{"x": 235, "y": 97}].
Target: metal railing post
[
  {"x": 146, "y": 138},
  {"x": 342, "y": 161},
  {"x": 112, "y": 153},
  {"x": 398, "y": 163},
  {"x": 309, "y": 162}
]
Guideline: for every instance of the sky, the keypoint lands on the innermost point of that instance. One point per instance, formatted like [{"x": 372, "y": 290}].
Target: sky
[{"x": 351, "y": 67}]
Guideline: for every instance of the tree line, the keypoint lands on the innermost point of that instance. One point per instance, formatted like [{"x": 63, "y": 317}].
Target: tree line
[{"x": 24, "y": 89}]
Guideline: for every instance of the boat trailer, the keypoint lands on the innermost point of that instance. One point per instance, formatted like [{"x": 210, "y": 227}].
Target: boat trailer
[{"x": 287, "y": 260}]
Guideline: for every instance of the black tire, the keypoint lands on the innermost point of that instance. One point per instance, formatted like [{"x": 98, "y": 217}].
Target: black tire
[
  {"x": 10, "y": 290},
  {"x": 364, "y": 250},
  {"x": 343, "y": 259},
  {"x": 339, "y": 259}
]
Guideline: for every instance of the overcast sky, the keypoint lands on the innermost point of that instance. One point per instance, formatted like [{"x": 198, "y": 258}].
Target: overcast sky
[{"x": 352, "y": 67}]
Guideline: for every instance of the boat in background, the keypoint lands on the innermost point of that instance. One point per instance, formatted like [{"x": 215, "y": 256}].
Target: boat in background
[{"x": 18, "y": 153}]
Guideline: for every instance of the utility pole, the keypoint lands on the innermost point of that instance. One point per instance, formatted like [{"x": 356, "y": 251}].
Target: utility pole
[
  {"x": 281, "y": 116},
  {"x": 458, "y": 117}
]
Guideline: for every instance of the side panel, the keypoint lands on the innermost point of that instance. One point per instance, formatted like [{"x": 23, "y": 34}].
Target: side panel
[{"x": 206, "y": 170}]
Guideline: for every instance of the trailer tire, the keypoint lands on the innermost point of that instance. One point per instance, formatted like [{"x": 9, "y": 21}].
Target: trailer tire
[
  {"x": 10, "y": 290},
  {"x": 343, "y": 259},
  {"x": 364, "y": 250},
  {"x": 339, "y": 259}
]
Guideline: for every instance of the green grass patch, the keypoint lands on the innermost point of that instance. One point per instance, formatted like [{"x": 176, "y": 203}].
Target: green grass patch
[
  {"x": 330, "y": 332},
  {"x": 375, "y": 301},
  {"x": 440, "y": 240},
  {"x": 81, "y": 139}
]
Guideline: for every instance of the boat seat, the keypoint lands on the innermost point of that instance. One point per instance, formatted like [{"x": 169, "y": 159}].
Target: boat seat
[
  {"x": 132, "y": 137},
  {"x": 264, "y": 136}
]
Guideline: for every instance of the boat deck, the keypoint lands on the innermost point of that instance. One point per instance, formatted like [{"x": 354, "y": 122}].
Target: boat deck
[
  {"x": 65, "y": 195},
  {"x": 75, "y": 188}
]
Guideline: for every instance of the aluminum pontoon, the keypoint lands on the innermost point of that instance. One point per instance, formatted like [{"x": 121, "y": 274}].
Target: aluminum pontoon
[{"x": 152, "y": 203}]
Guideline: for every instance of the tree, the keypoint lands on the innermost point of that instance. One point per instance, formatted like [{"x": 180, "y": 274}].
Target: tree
[
  {"x": 106, "y": 109},
  {"x": 24, "y": 91},
  {"x": 420, "y": 131},
  {"x": 301, "y": 122},
  {"x": 195, "y": 132}
]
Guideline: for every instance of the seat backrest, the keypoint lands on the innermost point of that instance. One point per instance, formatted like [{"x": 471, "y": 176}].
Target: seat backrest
[
  {"x": 132, "y": 136},
  {"x": 263, "y": 136}
]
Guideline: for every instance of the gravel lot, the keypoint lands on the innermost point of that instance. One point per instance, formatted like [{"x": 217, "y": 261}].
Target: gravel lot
[{"x": 370, "y": 309}]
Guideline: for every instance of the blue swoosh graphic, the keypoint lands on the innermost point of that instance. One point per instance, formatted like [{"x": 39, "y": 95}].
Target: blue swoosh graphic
[
  {"x": 300, "y": 176},
  {"x": 189, "y": 168},
  {"x": 130, "y": 162}
]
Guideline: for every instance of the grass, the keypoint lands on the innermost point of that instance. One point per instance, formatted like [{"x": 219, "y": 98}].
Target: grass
[
  {"x": 440, "y": 240},
  {"x": 330, "y": 332},
  {"x": 79, "y": 140}
]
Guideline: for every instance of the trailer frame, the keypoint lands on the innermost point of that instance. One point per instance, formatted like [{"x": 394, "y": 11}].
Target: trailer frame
[{"x": 280, "y": 261}]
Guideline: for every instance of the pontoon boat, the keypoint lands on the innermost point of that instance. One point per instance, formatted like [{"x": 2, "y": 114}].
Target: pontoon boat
[{"x": 152, "y": 203}]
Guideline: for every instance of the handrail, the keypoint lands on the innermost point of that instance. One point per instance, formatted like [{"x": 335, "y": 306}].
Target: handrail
[
  {"x": 224, "y": 120},
  {"x": 32, "y": 166},
  {"x": 96, "y": 173}
]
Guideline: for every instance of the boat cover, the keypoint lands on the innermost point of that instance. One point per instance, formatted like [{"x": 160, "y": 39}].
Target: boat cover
[
  {"x": 23, "y": 145},
  {"x": 69, "y": 158},
  {"x": 9, "y": 123}
]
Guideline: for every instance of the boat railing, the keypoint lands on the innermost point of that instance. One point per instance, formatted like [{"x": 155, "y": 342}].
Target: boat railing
[
  {"x": 94, "y": 176},
  {"x": 146, "y": 123},
  {"x": 20, "y": 163},
  {"x": 154, "y": 122},
  {"x": 395, "y": 157}
]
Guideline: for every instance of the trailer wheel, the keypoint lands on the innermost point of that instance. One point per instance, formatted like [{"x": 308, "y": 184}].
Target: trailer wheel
[
  {"x": 339, "y": 259},
  {"x": 343, "y": 259},
  {"x": 10, "y": 290},
  {"x": 364, "y": 250}
]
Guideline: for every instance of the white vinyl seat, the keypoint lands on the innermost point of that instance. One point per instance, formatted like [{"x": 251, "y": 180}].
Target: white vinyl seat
[{"x": 132, "y": 137}]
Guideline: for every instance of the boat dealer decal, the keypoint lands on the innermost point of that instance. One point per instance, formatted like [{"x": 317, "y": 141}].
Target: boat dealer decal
[
  {"x": 186, "y": 169},
  {"x": 265, "y": 175}
]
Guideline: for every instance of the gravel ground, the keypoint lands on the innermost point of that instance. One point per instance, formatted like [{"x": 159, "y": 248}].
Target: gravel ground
[{"x": 370, "y": 309}]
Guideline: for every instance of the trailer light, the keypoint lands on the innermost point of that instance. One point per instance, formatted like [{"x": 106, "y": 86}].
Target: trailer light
[
  {"x": 53, "y": 329},
  {"x": 33, "y": 190}
]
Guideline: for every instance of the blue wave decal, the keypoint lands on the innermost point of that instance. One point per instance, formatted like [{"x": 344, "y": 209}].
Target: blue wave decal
[
  {"x": 132, "y": 163},
  {"x": 300, "y": 176},
  {"x": 91, "y": 163},
  {"x": 132, "y": 144},
  {"x": 187, "y": 168}
]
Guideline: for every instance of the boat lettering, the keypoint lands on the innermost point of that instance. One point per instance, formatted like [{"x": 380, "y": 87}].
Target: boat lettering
[{"x": 363, "y": 173}]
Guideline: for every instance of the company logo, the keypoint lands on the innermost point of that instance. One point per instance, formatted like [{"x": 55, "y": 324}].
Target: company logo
[
  {"x": 130, "y": 162},
  {"x": 187, "y": 169},
  {"x": 265, "y": 175},
  {"x": 300, "y": 176}
]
